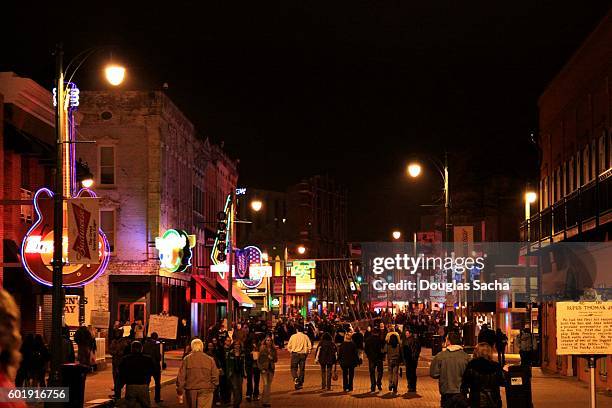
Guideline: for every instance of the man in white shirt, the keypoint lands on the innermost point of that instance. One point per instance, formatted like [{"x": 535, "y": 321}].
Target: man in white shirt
[{"x": 299, "y": 346}]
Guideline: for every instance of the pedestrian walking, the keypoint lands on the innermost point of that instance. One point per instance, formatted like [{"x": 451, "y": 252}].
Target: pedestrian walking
[
  {"x": 23, "y": 373},
  {"x": 448, "y": 367},
  {"x": 358, "y": 339},
  {"x": 526, "y": 347},
  {"x": 487, "y": 335},
  {"x": 252, "y": 370},
  {"x": 151, "y": 349},
  {"x": 197, "y": 378},
  {"x": 266, "y": 362},
  {"x": 482, "y": 379},
  {"x": 374, "y": 351},
  {"x": 348, "y": 357},
  {"x": 501, "y": 342},
  {"x": 394, "y": 359},
  {"x": 326, "y": 357},
  {"x": 411, "y": 350},
  {"x": 235, "y": 372},
  {"x": 39, "y": 359},
  {"x": 85, "y": 342},
  {"x": 117, "y": 349},
  {"x": 299, "y": 346},
  {"x": 135, "y": 372}
]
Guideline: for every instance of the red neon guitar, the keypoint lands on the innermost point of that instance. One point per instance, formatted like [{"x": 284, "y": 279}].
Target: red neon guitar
[{"x": 37, "y": 246}]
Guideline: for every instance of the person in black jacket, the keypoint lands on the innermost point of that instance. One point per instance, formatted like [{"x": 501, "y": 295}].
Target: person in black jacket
[
  {"x": 487, "y": 335},
  {"x": 411, "y": 348},
  {"x": 358, "y": 339},
  {"x": 482, "y": 379},
  {"x": 348, "y": 356},
  {"x": 135, "y": 373},
  {"x": 326, "y": 357},
  {"x": 151, "y": 349},
  {"x": 373, "y": 350}
]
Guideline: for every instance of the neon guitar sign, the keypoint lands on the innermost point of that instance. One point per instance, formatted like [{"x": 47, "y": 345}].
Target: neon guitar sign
[{"x": 37, "y": 246}]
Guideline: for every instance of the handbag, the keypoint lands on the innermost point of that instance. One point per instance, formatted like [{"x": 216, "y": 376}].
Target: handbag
[{"x": 335, "y": 375}]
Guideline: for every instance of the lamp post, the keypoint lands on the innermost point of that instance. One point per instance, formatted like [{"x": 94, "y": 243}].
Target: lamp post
[
  {"x": 57, "y": 292},
  {"x": 530, "y": 198}
]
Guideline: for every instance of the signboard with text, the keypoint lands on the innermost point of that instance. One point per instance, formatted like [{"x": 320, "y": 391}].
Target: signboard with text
[
  {"x": 100, "y": 320},
  {"x": 71, "y": 310},
  {"x": 83, "y": 245},
  {"x": 164, "y": 326},
  {"x": 584, "y": 328},
  {"x": 304, "y": 272}
]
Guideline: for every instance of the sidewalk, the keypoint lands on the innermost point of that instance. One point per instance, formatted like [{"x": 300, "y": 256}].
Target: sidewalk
[{"x": 98, "y": 386}]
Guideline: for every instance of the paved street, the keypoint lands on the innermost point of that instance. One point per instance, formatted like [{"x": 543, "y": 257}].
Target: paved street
[{"x": 548, "y": 390}]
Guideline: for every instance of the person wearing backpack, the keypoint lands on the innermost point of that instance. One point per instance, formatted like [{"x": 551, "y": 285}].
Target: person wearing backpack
[
  {"x": 482, "y": 379},
  {"x": 525, "y": 340},
  {"x": 393, "y": 350},
  {"x": 348, "y": 357},
  {"x": 326, "y": 357}
]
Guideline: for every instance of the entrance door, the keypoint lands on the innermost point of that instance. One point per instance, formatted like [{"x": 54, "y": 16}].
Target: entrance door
[{"x": 132, "y": 311}]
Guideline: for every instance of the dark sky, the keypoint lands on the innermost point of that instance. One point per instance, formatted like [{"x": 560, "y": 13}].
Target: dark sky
[{"x": 351, "y": 89}]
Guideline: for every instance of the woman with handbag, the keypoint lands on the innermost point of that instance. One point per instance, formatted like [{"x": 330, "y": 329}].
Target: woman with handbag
[
  {"x": 482, "y": 379},
  {"x": 326, "y": 357},
  {"x": 348, "y": 356},
  {"x": 266, "y": 361}
]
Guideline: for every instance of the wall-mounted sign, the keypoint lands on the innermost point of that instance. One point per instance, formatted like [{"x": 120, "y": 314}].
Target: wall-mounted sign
[
  {"x": 71, "y": 310},
  {"x": 259, "y": 271},
  {"x": 175, "y": 250},
  {"x": 83, "y": 216},
  {"x": 241, "y": 191},
  {"x": 304, "y": 272},
  {"x": 584, "y": 328},
  {"x": 275, "y": 302},
  {"x": 37, "y": 246}
]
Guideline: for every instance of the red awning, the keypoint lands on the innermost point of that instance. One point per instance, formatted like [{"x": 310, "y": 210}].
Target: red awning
[
  {"x": 242, "y": 298},
  {"x": 213, "y": 294}
]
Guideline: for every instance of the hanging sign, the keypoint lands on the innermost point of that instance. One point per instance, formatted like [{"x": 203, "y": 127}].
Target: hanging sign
[
  {"x": 175, "y": 250},
  {"x": 83, "y": 215}
]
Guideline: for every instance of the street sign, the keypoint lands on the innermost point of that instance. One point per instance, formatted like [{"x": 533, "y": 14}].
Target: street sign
[{"x": 584, "y": 328}]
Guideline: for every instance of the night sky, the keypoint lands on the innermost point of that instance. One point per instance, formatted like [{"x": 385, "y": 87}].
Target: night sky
[{"x": 351, "y": 89}]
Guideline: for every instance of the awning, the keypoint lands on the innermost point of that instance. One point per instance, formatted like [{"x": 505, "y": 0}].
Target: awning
[
  {"x": 213, "y": 295},
  {"x": 239, "y": 296}
]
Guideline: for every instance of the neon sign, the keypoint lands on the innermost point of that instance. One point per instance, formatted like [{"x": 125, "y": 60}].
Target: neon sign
[
  {"x": 37, "y": 247},
  {"x": 175, "y": 250}
]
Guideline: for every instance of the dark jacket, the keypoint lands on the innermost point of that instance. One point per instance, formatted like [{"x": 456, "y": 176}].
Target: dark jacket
[
  {"x": 234, "y": 365},
  {"x": 373, "y": 348},
  {"x": 136, "y": 368},
  {"x": 395, "y": 354},
  {"x": 151, "y": 349},
  {"x": 482, "y": 379},
  {"x": 348, "y": 356},
  {"x": 448, "y": 366},
  {"x": 358, "y": 339},
  {"x": 326, "y": 352},
  {"x": 487, "y": 336},
  {"x": 267, "y": 358},
  {"x": 411, "y": 348}
]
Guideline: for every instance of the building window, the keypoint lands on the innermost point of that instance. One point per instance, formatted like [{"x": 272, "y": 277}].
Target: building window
[
  {"x": 107, "y": 165},
  {"x": 571, "y": 181},
  {"x": 593, "y": 159},
  {"x": 107, "y": 224},
  {"x": 586, "y": 161},
  {"x": 603, "y": 163}
]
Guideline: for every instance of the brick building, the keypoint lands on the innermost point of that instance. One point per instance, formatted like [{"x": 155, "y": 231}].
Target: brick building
[
  {"x": 575, "y": 190},
  {"x": 153, "y": 172},
  {"x": 27, "y": 146}
]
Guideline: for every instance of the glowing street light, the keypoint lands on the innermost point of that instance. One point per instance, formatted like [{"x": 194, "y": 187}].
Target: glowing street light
[
  {"x": 115, "y": 74},
  {"x": 301, "y": 249},
  {"x": 414, "y": 170},
  {"x": 256, "y": 205},
  {"x": 396, "y": 235},
  {"x": 87, "y": 183},
  {"x": 531, "y": 197}
]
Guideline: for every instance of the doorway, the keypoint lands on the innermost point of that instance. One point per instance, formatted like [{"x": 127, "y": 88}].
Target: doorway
[{"x": 132, "y": 311}]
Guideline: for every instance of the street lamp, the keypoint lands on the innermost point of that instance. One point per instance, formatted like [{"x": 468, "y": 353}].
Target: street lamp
[
  {"x": 396, "y": 235},
  {"x": 115, "y": 76},
  {"x": 530, "y": 198},
  {"x": 301, "y": 249},
  {"x": 87, "y": 183},
  {"x": 256, "y": 205},
  {"x": 415, "y": 170}
]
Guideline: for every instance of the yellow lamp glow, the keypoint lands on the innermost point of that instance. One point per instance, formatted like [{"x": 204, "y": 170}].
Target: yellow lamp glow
[
  {"x": 87, "y": 183},
  {"x": 396, "y": 234},
  {"x": 531, "y": 197},
  {"x": 256, "y": 205},
  {"x": 301, "y": 249},
  {"x": 414, "y": 170},
  {"x": 115, "y": 74}
]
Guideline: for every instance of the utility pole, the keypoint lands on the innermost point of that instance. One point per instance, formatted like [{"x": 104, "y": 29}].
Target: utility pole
[
  {"x": 58, "y": 225},
  {"x": 232, "y": 261}
]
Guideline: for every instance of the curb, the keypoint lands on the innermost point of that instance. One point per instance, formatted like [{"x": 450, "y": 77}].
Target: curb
[{"x": 110, "y": 403}]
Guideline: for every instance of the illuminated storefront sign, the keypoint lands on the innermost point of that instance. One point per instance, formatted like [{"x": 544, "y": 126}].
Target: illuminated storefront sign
[
  {"x": 275, "y": 302},
  {"x": 304, "y": 272},
  {"x": 37, "y": 247},
  {"x": 175, "y": 250}
]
